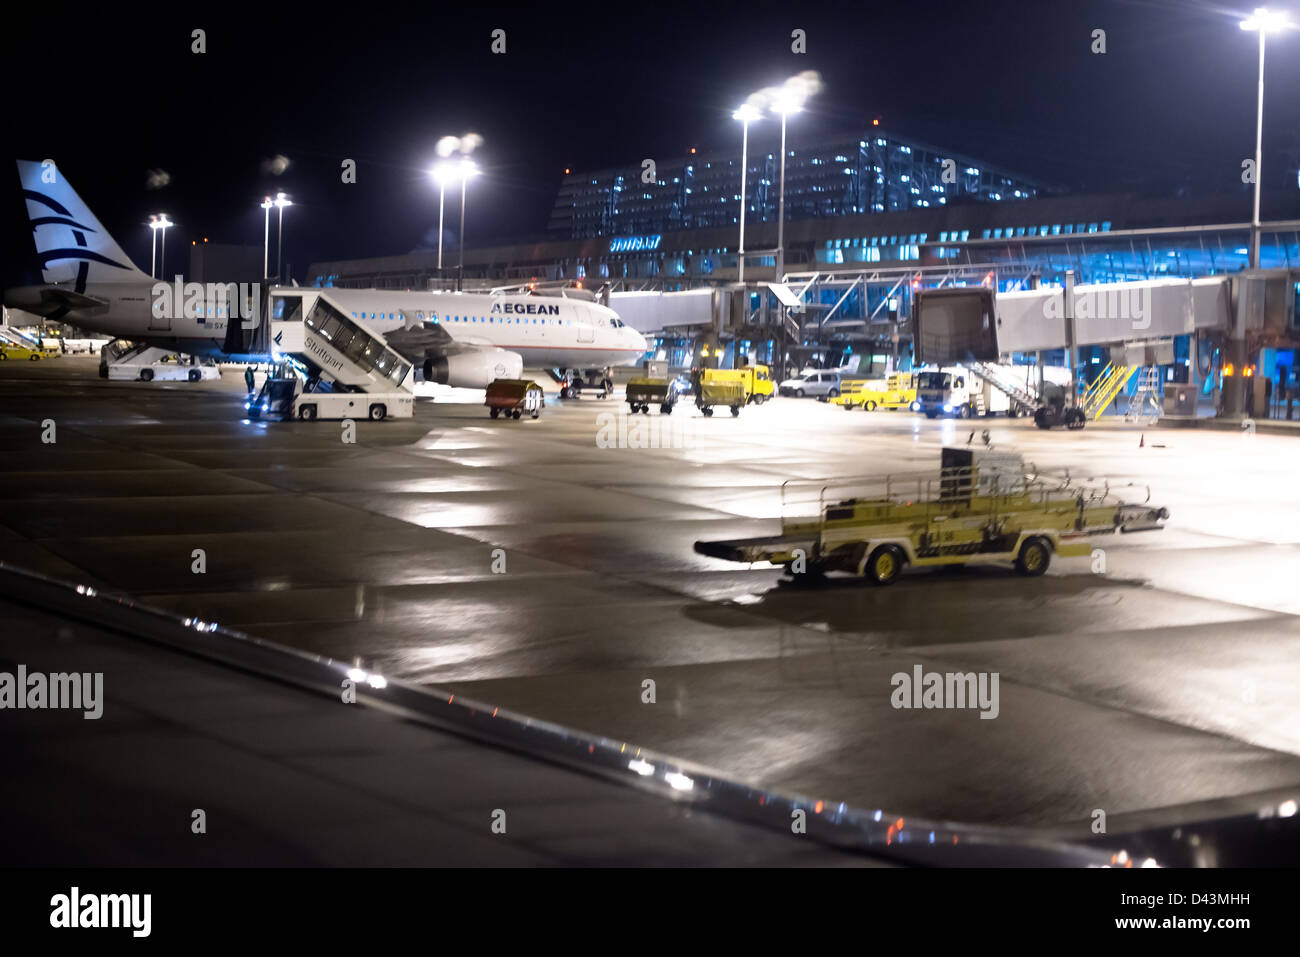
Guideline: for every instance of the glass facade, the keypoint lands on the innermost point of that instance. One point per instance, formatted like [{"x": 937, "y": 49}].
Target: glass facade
[{"x": 844, "y": 176}]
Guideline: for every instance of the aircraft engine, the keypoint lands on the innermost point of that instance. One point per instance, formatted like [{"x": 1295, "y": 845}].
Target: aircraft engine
[{"x": 474, "y": 370}]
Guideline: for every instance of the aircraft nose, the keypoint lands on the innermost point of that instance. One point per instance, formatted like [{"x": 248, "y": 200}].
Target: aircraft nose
[{"x": 638, "y": 340}]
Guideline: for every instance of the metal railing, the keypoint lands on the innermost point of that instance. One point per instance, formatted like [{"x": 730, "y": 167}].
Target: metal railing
[{"x": 811, "y": 502}]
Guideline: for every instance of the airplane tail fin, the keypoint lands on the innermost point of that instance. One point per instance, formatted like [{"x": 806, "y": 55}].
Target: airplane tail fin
[{"x": 72, "y": 244}]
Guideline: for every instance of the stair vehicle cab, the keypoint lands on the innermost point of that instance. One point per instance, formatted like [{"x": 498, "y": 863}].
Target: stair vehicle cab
[{"x": 944, "y": 392}]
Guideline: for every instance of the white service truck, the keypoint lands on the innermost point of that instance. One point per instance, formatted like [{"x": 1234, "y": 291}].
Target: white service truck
[
  {"x": 126, "y": 361},
  {"x": 284, "y": 398}
]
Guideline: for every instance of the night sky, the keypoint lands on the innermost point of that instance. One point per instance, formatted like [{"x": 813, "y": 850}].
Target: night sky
[{"x": 111, "y": 96}]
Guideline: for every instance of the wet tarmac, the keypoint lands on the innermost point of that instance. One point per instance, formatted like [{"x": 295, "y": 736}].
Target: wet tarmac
[{"x": 529, "y": 565}]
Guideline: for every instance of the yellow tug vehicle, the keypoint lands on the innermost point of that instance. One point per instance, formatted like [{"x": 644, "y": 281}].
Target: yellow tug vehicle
[
  {"x": 898, "y": 391},
  {"x": 983, "y": 506}
]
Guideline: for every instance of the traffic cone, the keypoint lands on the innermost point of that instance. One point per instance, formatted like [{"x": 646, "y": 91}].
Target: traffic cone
[{"x": 1143, "y": 441}]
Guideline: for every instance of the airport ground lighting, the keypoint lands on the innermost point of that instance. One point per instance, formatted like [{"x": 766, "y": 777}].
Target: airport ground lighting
[
  {"x": 441, "y": 172},
  {"x": 1263, "y": 21},
  {"x": 281, "y": 201},
  {"x": 785, "y": 99},
  {"x": 266, "y": 237},
  {"x": 462, "y": 171},
  {"x": 156, "y": 223},
  {"x": 748, "y": 113},
  {"x": 153, "y": 246}
]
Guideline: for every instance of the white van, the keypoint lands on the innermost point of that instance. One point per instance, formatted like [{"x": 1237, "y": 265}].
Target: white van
[{"x": 821, "y": 385}]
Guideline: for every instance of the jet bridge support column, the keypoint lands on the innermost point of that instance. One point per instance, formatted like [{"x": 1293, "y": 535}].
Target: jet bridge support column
[
  {"x": 1035, "y": 283},
  {"x": 1071, "y": 353},
  {"x": 1232, "y": 399}
]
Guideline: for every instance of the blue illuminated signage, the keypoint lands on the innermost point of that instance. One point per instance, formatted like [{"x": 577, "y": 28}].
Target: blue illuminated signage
[{"x": 624, "y": 244}]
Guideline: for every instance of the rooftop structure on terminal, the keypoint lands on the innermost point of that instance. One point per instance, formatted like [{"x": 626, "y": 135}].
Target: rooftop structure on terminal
[{"x": 842, "y": 175}]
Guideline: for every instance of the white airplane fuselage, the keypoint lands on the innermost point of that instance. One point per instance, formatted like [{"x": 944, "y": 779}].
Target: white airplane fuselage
[{"x": 546, "y": 331}]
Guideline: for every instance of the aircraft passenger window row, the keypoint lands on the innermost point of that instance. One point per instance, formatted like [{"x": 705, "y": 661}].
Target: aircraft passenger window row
[{"x": 493, "y": 319}]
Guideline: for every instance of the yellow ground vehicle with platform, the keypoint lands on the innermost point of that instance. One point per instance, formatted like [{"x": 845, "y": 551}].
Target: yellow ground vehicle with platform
[
  {"x": 733, "y": 388},
  {"x": 898, "y": 391},
  {"x": 982, "y": 506}
]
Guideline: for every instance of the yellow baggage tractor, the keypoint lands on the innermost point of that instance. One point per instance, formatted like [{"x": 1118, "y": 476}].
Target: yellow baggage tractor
[
  {"x": 645, "y": 392},
  {"x": 514, "y": 397},
  {"x": 982, "y": 506}
]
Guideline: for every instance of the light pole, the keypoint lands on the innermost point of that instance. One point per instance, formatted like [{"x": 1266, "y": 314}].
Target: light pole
[
  {"x": 162, "y": 223},
  {"x": 1263, "y": 21},
  {"x": 153, "y": 246},
  {"x": 746, "y": 114},
  {"x": 468, "y": 168},
  {"x": 281, "y": 201},
  {"x": 789, "y": 98},
  {"x": 442, "y": 172},
  {"x": 266, "y": 237}
]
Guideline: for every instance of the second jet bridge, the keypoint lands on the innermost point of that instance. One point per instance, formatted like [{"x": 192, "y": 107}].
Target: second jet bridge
[{"x": 338, "y": 351}]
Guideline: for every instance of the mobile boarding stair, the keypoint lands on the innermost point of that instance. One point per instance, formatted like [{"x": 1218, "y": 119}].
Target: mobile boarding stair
[
  {"x": 325, "y": 359},
  {"x": 1024, "y": 399},
  {"x": 981, "y": 507}
]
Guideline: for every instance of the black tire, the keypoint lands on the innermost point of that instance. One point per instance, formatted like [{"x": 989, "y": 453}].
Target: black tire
[
  {"x": 4, "y": 357},
  {"x": 516, "y": 413},
  {"x": 378, "y": 412},
  {"x": 535, "y": 413},
  {"x": 885, "y": 564},
  {"x": 194, "y": 375},
  {"x": 931, "y": 415},
  {"x": 869, "y": 406},
  {"x": 833, "y": 394},
  {"x": 146, "y": 375},
  {"x": 963, "y": 411},
  {"x": 1035, "y": 555},
  {"x": 707, "y": 410},
  {"x": 735, "y": 410},
  {"x": 35, "y": 357},
  {"x": 1042, "y": 419},
  {"x": 495, "y": 413},
  {"x": 1075, "y": 419},
  {"x": 798, "y": 393},
  {"x": 665, "y": 410},
  {"x": 307, "y": 413}
]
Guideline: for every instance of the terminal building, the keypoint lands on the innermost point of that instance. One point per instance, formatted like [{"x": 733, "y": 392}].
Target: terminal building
[
  {"x": 868, "y": 220},
  {"x": 838, "y": 176}
]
